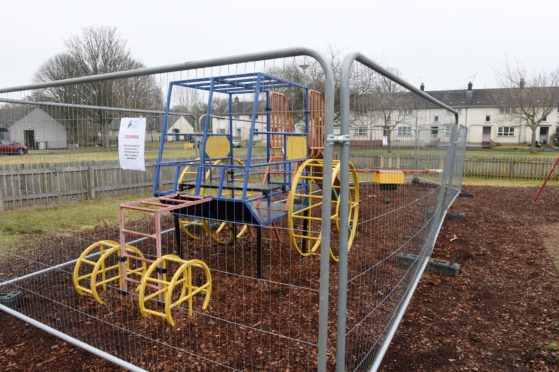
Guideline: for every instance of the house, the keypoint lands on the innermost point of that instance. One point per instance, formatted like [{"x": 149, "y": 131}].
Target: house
[
  {"x": 483, "y": 111},
  {"x": 241, "y": 117},
  {"x": 488, "y": 117},
  {"x": 180, "y": 127},
  {"x": 33, "y": 127}
]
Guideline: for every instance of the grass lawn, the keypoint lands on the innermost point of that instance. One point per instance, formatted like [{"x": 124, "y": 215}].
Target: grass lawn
[
  {"x": 173, "y": 150},
  {"x": 28, "y": 224}
]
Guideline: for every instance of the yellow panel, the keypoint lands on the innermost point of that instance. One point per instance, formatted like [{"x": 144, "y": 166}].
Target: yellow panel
[
  {"x": 296, "y": 147},
  {"x": 387, "y": 177},
  {"x": 218, "y": 147}
]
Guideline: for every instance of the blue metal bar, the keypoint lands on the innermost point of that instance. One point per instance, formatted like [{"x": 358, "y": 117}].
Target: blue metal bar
[
  {"x": 221, "y": 180},
  {"x": 228, "y": 84},
  {"x": 177, "y": 162},
  {"x": 202, "y": 165},
  {"x": 162, "y": 142},
  {"x": 251, "y": 137}
]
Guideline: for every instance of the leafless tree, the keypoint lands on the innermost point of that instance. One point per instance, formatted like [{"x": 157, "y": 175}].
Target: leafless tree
[
  {"x": 98, "y": 50},
  {"x": 531, "y": 96},
  {"x": 382, "y": 103}
]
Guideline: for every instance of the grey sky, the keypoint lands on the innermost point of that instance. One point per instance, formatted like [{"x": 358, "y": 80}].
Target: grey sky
[{"x": 443, "y": 43}]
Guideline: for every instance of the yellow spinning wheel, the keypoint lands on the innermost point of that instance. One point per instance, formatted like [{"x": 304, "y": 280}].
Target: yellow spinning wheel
[
  {"x": 103, "y": 258},
  {"x": 353, "y": 210},
  {"x": 304, "y": 206},
  {"x": 181, "y": 287},
  {"x": 222, "y": 232},
  {"x": 194, "y": 228}
]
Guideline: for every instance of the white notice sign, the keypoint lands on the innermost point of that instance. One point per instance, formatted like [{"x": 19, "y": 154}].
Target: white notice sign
[{"x": 131, "y": 140}]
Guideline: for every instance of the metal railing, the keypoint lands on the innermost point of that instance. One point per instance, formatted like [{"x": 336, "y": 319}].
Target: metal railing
[
  {"x": 33, "y": 260},
  {"x": 378, "y": 94},
  {"x": 373, "y": 290}
]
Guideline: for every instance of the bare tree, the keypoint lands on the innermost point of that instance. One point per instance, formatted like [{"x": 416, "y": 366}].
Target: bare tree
[
  {"x": 384, "y": 103},
  {"x": 98, "y": 50},
  {"x": 531, "y": 96}
]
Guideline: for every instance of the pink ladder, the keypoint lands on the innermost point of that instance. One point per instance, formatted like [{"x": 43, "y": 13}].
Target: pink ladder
[{"x": 157, "y": 207}]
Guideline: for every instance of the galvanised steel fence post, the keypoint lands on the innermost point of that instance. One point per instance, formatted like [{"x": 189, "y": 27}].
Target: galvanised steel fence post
[{"x": 344, "y": 193}]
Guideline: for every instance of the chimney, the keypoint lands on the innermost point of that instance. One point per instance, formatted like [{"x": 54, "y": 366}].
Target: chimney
[
  {"x": 470, "y": 86},
  {"x": 522, "y": 83},
  {"x": 422, "y": 87}
]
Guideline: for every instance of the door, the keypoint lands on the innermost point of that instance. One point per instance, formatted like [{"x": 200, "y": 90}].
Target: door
[
  {"x": 486, "y": 136},
  {"x": 29, "y": 138},
  {"x": 544, "y": 131}
]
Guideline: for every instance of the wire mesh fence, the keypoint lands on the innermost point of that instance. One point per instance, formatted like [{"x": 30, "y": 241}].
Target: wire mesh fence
[
  {"x": 239, "y": 152},
  {"x": 409, "y": 175},
  {"x": 264, "y": 307}
]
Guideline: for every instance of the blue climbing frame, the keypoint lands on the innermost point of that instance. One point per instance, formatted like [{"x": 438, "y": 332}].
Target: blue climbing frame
[{"x": 221, "y": 177}]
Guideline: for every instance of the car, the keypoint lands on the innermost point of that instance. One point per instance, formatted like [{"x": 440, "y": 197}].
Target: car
[
  {"x": 236, "y": 144},
  {"x": 12, "y": 148}
]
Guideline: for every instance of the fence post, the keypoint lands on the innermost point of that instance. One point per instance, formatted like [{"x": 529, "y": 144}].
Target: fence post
[{"x": 91, "y": 182}]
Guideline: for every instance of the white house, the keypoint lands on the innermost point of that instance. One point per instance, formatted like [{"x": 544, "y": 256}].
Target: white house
[
  {"x": 33, "y": 127},
  {"x": 483, "y": 111},
  {"x": 178, "y": 127}
]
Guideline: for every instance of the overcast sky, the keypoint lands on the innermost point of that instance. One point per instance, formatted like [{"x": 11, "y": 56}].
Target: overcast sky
[{"x": 444, "y": 43}]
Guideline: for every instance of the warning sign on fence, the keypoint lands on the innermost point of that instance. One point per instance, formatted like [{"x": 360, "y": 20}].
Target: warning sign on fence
[{"x": 131, "y": 143}]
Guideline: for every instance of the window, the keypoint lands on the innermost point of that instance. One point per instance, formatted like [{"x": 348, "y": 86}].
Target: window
[
  {"x": 505, "y": 110},
  {"x": 505, "y": 131},
  {"x": 436, "y": 119},
  {"x": 404, "y": 131},
  {"x": 487, "y": 118},
  {"x": 238, "y": 131},
  {"x": 406, "y": 112},
  {"x": 544, "y": 118},
  {"x": 360, "y": 131},
  {"x": 434, "y": 132}
]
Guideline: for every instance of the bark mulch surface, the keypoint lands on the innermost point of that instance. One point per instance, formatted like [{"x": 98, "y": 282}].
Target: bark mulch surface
[{"x": 500, "y": 313}]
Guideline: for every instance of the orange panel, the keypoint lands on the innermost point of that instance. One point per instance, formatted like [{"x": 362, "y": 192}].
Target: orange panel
[
  {"x": 316, "y": 124},
  {"x": 281, "y": 120}
]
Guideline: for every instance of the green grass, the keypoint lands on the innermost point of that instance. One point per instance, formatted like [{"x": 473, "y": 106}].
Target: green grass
[
  {"x": 173, "y": 150},
  {"x": 26, "y": 225}
]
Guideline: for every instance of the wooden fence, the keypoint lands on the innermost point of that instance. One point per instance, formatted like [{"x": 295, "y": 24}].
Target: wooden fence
[
  {"x": 29, "y": 184},
  {"x": 482, "y": 166}
]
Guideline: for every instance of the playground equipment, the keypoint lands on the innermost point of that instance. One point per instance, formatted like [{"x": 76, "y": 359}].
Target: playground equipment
[
  {"x": 227, "y": 189},
  {"x": 291, "y": 175}
]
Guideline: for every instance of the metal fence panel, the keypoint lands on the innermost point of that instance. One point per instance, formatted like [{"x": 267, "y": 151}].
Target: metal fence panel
[
  {"x": 277, "y": 321},
  {"x": 410, "y": 172}
]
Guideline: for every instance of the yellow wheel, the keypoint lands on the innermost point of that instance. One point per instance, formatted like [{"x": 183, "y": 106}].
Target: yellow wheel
[
  {"x": 182, "y": 286},
  {"x": 353, "y": 210},
  {"x": 221, "y": 233},
  {"x": 106, "y": 268},
  {"x": 193, "y": 227},
  {"x": 304, "y": 206}
]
